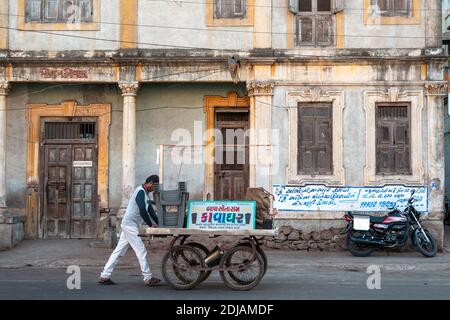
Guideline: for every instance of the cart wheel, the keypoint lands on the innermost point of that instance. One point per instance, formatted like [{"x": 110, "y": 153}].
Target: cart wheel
[
  {"x": 259, "y": 251},
  {"x": 243, "y": 269},
  {"x": 204, "y": 251},
  {"x": 181, "y": 267}
]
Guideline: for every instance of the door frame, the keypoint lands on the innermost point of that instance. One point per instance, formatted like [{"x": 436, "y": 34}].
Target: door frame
[
  {"x": 43, "y": 169},
  {"x": 66, "y": 109},
  {"x": 210, "y": 105}
]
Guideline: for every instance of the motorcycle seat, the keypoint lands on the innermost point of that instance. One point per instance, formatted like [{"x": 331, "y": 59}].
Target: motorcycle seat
[{"x": 377, "y": 219}]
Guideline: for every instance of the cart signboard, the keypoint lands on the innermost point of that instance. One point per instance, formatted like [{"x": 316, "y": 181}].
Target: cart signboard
[{"x": 222, "y": 215}]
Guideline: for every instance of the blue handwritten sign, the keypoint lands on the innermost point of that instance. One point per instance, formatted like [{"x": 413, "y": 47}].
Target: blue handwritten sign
[
  {"x": 220, "y": 215},
  {"x": 321, "y": 198}
]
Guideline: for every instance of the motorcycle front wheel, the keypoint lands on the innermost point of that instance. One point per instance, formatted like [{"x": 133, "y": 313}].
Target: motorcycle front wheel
[
  {"x": 427, "y": 248},
  {"x": 357, "y": 249}
]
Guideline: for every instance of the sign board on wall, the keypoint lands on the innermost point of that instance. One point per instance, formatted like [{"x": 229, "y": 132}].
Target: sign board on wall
[
  {"x": 320, "y": 198},
  {"x": 220, "y": 215}
]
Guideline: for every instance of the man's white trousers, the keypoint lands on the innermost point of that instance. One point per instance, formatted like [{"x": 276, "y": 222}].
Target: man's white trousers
[{"x": 128, "y": 237}]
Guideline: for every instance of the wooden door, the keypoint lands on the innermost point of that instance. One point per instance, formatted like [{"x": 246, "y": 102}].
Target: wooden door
[
  {"x": 69, "y": 178},
  {"x": 57, "y": 172},
  {"x": 231, "y": 176},
  {"x": 84, "y": 191}
]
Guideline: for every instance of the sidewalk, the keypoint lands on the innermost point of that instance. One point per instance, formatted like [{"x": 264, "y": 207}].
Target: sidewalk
[{"x": 62, "y": 253}]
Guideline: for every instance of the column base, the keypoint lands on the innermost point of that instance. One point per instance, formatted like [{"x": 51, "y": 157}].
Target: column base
[{"x": 11, "y": 230}]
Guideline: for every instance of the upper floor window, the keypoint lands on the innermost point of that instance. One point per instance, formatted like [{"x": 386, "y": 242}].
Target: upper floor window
[
  {"x": 230, "y": 9},
  {"x": 391, "y": 8},
  {"x": 59, "y": 11},
  {"x": 315, "y": 23}
]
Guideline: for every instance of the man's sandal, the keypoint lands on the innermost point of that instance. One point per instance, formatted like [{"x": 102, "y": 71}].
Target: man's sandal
[
  {"x": 152, "y": 282},
  {"x": 105, "y": 281}
]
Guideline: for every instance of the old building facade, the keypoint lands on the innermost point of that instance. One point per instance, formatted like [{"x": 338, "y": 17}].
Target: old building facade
[{"x": 94, "y": 93}]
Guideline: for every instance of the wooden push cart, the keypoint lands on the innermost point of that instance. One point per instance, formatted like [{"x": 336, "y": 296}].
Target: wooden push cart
[{"x": 187, "y": 264}]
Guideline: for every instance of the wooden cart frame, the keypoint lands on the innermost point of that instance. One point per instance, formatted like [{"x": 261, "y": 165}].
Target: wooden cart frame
[{"x": 187, "y": 264}]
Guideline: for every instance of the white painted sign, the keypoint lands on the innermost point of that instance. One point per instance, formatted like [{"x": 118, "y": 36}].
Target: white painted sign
[
  {"x": 82, "y": 164},
  {"x": 373, "y": 199}
]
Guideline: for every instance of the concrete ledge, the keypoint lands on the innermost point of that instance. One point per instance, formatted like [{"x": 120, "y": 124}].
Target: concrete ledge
[{"x": 11, "y": 230}]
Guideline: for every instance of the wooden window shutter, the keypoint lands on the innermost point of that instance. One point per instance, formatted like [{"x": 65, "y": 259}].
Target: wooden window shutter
[
  {"x": 315, "y": 155},
  {"x": 33, "y": 10},
  {"x": 393, "y": 140},
  {"x": 337, "y": 6}
]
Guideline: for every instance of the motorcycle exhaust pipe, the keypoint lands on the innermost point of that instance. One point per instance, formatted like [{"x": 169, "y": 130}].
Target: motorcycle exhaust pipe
[{"x": 365, "y": 241}]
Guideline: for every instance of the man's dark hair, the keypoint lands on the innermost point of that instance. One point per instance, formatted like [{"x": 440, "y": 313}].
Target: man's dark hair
[{"x": 153, "y": 179}]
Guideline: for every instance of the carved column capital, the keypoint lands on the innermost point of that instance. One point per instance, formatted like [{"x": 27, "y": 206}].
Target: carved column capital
[
  {"x": 436, "y": 89},
  {"x": 4, "y": 87},
  {"x": 260, "y": 88},
  {"x": 129, "y": 88}
]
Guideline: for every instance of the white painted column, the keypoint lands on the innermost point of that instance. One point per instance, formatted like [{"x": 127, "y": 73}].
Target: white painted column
[
  {"x": 261, "y": 150},
  {"x": 4, "y": 88},
  {"x": 129, "y": 93},
  {"x": 435, "y": 93}
]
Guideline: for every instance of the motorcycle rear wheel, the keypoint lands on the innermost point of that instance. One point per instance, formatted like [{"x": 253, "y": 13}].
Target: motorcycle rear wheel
[
  {"x": 358, "y": 249},
  {"x": 428, "y": 249}
]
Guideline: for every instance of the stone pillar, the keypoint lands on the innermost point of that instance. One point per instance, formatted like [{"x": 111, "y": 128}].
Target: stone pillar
[
  {"x": 4, "y": 88},
  {"x": 435, "y": 93},
  {"x": 129, "y": 93},
  {"x": 260, "y": 93}
]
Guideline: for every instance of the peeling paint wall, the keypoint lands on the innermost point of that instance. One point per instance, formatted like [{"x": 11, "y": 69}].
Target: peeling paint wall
[{"x": 186, "y": 15}]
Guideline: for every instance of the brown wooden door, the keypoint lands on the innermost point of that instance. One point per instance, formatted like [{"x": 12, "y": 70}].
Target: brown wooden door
[
  {"x": 57, "y": 167},
  {"x": 69, "y": 178},
  {"x": 231, "y": 176},
  {"x": 84, "y": 191}
]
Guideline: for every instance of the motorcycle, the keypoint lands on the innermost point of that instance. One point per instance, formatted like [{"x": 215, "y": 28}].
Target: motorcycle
[{"x": 367, "y": 233}]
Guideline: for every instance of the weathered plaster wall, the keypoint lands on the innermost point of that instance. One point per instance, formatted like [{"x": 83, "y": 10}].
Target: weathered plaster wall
[
  {"x": 158, "y": 115},
  {"x": 162, "y": 109},
  {"x": 186, "y": 15},
  {"x": 447, "y": 155},
  {"x": 67, "y": 40},
  {"x": 359, "y": 35},
  {"x": 354, "y": 123},
  {"x": 23, "y": 94}
]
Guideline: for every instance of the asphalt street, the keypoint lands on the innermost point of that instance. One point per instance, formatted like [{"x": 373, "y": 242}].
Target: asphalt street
[{"x": 303, "y": 284}]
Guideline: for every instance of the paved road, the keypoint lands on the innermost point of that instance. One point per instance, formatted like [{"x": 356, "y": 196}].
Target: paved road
[{"x": 305, "y": 284}]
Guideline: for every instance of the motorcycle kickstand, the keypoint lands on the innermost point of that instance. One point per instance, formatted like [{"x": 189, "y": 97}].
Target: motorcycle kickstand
[{"x": 387, "y": 251}]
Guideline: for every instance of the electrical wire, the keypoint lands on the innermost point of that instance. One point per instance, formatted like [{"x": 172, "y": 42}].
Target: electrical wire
[{"x": 222, "y": 30}]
